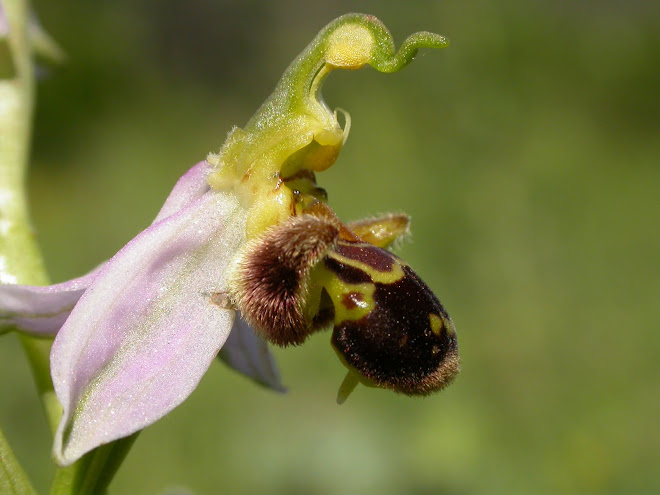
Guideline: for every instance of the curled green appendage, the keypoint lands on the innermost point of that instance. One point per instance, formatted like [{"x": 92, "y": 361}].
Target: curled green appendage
[
  {"x": 349, "y": 42},
  {"x": 390, "y": 61},
  {"x": 295, "y": 132}
]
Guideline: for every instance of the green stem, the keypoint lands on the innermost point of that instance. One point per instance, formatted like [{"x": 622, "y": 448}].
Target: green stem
[
  {"x": 13, "y": 480},
  {"x": 37, "y": 352},
  {"x": 92, "y": 474},
  {"x": 20, "y": 259}
]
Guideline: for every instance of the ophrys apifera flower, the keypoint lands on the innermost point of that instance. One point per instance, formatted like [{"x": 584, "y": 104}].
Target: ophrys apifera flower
[{"x": 248, "y": 230}]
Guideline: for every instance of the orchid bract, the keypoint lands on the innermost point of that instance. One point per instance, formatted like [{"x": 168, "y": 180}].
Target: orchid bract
[{"x": 247, "y": 232}]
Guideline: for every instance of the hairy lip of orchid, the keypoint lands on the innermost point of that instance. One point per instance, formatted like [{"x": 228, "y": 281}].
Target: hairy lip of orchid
[{"x": 247, "y": 231}]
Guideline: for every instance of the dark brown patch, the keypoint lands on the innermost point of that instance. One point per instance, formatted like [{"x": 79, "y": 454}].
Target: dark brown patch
[
  {"x": 394, "y": 346},
  {"x": 346, "y": 273},
  {"x": 350, "y": 300},
  {"x": 370, "y": 255},
  {"x": 273, "y": 274}
]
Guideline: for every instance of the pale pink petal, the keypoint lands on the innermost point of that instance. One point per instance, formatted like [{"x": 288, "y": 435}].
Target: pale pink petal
[
  {"x": 40, "y": 310},
  {"x": 191, "y": 186},
  {"x": 248, "y": 353},
  {"x": 43, "y": 310},
  {"x": 146, "y": 330}
]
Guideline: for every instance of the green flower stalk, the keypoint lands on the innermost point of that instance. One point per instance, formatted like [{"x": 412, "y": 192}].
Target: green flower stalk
[
  {"x": 20, "y": 260},
  {"x": 246, "y": 245}
]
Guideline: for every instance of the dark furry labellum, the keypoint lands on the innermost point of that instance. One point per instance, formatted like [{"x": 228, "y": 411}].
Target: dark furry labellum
[
  {"x": 389, "y": 328},
  {"x": 403, "y": 339}
]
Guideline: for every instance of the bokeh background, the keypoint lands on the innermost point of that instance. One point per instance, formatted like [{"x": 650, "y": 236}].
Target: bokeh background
[{"x": 528, "y": 156}]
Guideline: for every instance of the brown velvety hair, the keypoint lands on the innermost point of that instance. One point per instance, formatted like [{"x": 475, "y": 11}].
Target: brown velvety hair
[{"x": 270, "y": 281}]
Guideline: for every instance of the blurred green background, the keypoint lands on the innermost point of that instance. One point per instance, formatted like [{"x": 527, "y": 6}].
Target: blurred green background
[{"x": 528, "y": 156}]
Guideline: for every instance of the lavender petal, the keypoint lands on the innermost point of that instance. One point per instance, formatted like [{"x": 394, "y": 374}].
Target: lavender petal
[
  {"x": 191, "y": 186},
  {"x": 43, "y": 310},
  {"x": 248, "y": 353},
  {"x": 144, "y": 333},
  {"x": 40, "y": 311}
]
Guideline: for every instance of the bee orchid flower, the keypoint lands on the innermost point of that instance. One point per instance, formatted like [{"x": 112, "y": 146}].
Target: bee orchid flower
[{"x": 247, "y": 232}]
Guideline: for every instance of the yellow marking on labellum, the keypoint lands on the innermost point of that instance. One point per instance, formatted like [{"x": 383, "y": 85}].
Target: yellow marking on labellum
[
  {"x": 351, "y": 302},
  {"x": 361, "y": 299},
  {"x": 436, "y": 323},
  {"x": 376, "y": 276}
]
